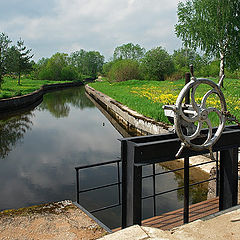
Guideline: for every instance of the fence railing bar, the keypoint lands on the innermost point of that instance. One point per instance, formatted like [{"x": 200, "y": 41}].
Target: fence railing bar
[
  {"x": 104, "y": 208},
  {"x": 208, "y": 180},
  {"x": 199, "y": 164},
  {"x": 97, "y": 164},
  {"x": 157, "y": 194},
  {"x": 177, "y": 169},
  {"x": 100, "y": 187}
]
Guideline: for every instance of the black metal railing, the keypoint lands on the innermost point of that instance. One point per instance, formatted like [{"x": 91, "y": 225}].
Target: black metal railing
[
  {"x": 118, "y": 183},
  {"x": 138, "y": 152},
  {"x": 154, "y": 174},
  {"x": 186, "y": 185}
]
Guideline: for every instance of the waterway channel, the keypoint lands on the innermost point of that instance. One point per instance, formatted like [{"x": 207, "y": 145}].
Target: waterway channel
[{"x": 40, "y": 147}]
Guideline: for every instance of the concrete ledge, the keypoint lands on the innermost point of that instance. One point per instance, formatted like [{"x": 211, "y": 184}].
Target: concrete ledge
[
  {"x": 14, "y": 103},
  {"x": 127, "y": 117}
]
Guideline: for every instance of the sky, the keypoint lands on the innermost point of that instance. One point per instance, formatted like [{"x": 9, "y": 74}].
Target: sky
[{"x": 50, "y": 26}]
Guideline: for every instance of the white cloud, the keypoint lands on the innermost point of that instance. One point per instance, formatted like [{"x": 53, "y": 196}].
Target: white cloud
[{"x": 96, "y": 25}]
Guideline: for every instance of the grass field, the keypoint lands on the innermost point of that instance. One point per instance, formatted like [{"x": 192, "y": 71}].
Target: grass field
[
  {"x": 148, "y": 97},
  {"x": 10, "y": 88}
]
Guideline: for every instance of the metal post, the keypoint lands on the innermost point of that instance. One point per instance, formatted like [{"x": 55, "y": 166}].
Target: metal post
[
  {"x": 154, "y": 191},
  {"x": 217, "y": 174},
  {"x": 119, "y": 190},
  {"x": 77, "y": 176},
  {"x": 187, "y": 80},
  {"x": 131, "y": 187},
  {"x": 228, "y": 178},
  {"x": 186, "y": 161},
  {"x": 186, "y": 190}
]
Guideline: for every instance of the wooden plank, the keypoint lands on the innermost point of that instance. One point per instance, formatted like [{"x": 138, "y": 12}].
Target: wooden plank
[{"x": 175, "y": 218}]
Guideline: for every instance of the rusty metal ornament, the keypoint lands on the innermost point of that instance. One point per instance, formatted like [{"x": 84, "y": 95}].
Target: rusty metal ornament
[{"x": 191, "y": 117}]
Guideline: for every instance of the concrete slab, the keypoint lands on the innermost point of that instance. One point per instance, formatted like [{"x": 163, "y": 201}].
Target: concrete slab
[
  {"x": 62, "y": 220},
  {"x": 223, "y": 225}
]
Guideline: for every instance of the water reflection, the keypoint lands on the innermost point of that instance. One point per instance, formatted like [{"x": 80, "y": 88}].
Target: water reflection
[
  {"x": 12, "y": 130},
  {"x": 59, "y": 103},
  {"x": 40, "y": 149}
]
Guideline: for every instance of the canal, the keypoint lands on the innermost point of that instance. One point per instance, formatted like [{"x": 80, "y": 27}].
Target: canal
[{"x": 39, "y": 149}]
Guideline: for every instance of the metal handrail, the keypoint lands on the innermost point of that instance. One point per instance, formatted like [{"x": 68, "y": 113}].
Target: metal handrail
[{"x": 154, "y": 195}]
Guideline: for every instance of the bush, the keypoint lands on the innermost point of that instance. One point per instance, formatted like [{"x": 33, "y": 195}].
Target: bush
[
  {"x": 69, "y": 73},
  {"x": 124, "y": 70},
  {"x": 156, "y": 64}
]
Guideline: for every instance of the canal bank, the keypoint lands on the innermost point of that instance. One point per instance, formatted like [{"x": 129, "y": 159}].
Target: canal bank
[
  {"x": 16, "y": 103},
  {"x": 132, "y": 121}
]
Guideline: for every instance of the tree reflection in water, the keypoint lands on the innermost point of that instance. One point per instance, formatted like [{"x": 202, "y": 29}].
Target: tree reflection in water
[
  {"x": 58, "y": 103},
  {"x": 12, "y": 130}
]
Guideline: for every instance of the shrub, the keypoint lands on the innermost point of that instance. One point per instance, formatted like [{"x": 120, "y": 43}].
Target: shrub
[
  {"x": 156, "y": 64},
  {"x": 68, "y": 73},
  {"x": 124, "y": 70}
]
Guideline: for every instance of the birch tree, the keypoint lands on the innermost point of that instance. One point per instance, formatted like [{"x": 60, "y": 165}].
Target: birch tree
[{"x": 214, "y": 27}]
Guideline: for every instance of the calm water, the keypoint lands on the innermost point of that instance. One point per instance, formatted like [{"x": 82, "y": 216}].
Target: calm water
[{"x": 40, "y": 148}]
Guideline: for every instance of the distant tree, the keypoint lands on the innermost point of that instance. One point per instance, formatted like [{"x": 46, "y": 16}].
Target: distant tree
[
  {"x": 125, "y": 69},
  {"x": 213, "y": 26},
  {"x": 129, "y": 51},
  {"x": 77, "y": 60},
  {"x": 18, "y": 59},
  {"x": 54, "y": 66},
  {"x": 87, "y": 63},
  {"x": 156, "y": 64},
  {"x": 184, "y": 57},
  {"x": 4, "y": 48}
]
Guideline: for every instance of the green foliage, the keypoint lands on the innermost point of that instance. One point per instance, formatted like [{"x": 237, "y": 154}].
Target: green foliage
[
  {"x": 184, "y": 57},
  {"x": 18, "y": 59},
  {"x": 87, "y": 63},
  {"x": 68, "y": 73},
  {"x": 123, "y": 70},
  {"x": 55, "y": 65},
  {"x": 129, "y": 51},
  {"x": 4, "y": 45},
  {"x": 107, "y": 67},
  {"x": 213, "y": 26},
  {"x": 156, "y": 64}
]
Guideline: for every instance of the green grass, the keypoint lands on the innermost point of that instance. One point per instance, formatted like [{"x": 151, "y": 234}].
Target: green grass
[
  {"x": 10, "y": 88},
  {"x": 148, "y": 97}
]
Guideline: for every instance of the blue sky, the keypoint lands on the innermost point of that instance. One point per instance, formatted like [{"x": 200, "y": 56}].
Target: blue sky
[{"x": 50, "y": 26}]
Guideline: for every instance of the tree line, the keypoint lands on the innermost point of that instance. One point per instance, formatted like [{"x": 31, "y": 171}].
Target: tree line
[{"x": 213, "y": 26}]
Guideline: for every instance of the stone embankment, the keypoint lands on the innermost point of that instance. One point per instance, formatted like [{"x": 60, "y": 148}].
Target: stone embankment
[
  {"x": 127, "y": 117},
  {"x": 18, "y": 102}
]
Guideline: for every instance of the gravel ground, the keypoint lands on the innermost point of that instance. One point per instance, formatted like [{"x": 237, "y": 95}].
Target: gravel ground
[{"x": 62, "y": 220}]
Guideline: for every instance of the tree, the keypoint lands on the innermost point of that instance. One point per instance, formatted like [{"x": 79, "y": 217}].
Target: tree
[
  {"x": 18, "y": 60},
  {"x": 4, "y": 47},
  {"x": 54, "y": 67},
  {"x": 129, "y": 51},
  {"x": 123, "y": 70},
  {"x": 156, "y": 64},
  {"x": 184, "y": 57},
  {"x": 214, "y": 27},
  {"x": 87, "y": 63}
]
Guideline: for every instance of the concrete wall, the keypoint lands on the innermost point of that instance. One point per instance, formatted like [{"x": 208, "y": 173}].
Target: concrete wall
[
  {"x": 126, "y": 116},
  {"x": 29, "y": 99}
]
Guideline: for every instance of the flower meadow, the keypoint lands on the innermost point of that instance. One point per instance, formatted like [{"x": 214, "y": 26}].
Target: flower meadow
[{"x": 148, "y": 97}]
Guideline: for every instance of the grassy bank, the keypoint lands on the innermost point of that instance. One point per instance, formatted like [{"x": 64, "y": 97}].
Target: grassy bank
[
  {"x": 148, "y": 97},
  {"x": 10, "y": 88}
]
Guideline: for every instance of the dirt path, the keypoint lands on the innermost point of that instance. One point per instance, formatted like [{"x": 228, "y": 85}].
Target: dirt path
[{"x": 62, "y": 220}]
